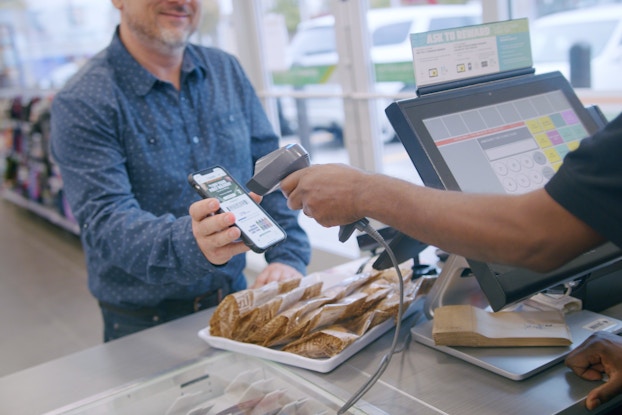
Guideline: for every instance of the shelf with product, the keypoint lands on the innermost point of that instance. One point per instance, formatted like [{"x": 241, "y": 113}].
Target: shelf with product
[{"x": 30, "y": 179}]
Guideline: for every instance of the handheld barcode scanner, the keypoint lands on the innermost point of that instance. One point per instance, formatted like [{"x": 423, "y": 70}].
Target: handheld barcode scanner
[{"x": 275, "y": 166}]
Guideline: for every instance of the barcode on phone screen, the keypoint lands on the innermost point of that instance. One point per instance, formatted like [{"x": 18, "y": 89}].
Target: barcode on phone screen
[
  {"x": 264, "y": 224},
  {"x": 236, "y": 205}
]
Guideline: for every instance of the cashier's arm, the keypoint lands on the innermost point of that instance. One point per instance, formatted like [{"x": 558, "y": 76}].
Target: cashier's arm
[{"x": 530, "y": 230}]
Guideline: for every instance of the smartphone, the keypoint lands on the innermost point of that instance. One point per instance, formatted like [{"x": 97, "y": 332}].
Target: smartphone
[{"x": 259, "y": 231}]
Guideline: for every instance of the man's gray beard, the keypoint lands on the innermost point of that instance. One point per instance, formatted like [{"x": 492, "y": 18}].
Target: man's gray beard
[
  {"x": 171, "y": 40},
  {"x": 165, "y": 40}
]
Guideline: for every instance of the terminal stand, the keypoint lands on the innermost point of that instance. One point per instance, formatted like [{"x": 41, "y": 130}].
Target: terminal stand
[
  {"x": 457, "y": 285},
  {"x": 454, "y": 285}
]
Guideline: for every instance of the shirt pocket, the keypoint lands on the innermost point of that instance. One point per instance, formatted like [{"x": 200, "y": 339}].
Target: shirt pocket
[
  {"x": 232, "y": 142},
  {"x": 158, "y": 162},
  {"x": 156, "y": 144}
]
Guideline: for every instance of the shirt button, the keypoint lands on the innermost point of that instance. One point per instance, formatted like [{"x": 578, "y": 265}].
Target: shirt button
[
  {"x": 195, "y": 139},
  {"x": 231, "y": 118}
]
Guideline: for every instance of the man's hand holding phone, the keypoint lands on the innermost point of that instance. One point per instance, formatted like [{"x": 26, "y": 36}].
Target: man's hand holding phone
[
  {"x": 257, "y": 229},
  {"x": 220, "y": 241},
  {"x": 217, "y": 238}
]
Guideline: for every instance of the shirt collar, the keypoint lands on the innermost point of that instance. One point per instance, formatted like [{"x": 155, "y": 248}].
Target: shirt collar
[{"x": 132, "y": 74}]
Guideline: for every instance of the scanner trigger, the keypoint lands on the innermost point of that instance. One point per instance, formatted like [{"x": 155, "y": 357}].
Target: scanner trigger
[{"x": 345, "y": 231}]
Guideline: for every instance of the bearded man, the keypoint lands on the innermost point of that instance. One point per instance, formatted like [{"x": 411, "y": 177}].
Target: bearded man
[{"x": 127, "y": 130}]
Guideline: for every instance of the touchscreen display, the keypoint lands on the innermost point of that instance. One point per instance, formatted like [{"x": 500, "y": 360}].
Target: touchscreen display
[{"x": 512, "y": 147}]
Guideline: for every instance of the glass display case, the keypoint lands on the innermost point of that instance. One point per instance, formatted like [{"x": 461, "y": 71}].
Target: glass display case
[{"x": 225, "y": 384}]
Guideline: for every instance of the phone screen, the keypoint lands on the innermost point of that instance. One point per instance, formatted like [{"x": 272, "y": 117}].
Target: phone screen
[{"x": 259, "y": 230}]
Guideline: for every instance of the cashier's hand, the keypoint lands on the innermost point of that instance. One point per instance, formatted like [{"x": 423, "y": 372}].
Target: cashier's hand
[
  {"x": 327, "y": 193},
  {"x": 276, "y": 272},
  {"x": 600, "y": 354},
  {"x": 214, "y": 232}
]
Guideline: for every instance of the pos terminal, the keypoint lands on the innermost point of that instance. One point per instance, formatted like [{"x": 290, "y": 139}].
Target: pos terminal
[{"x": 498, "y": 132}]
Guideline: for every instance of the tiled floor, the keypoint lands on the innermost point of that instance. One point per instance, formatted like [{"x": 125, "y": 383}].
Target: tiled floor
[{"x": 46, "y": 310}]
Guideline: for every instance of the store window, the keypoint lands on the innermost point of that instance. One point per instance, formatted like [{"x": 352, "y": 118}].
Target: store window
[
  {"x": 317, "y": 81},
  {"x": 306, "y": 79},
  {"x": 582, "y": 40},
  {"x": 310, "y": 84}
]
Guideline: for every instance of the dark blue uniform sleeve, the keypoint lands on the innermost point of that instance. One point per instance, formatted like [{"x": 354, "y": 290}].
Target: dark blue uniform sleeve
[{"x": 589, "y": 182}]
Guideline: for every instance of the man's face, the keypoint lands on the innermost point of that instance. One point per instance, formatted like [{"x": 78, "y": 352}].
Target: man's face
[{"x": 167, "y": 23}]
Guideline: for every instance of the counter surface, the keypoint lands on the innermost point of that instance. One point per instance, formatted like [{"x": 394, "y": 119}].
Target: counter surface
[{"x": 419, "y": 380}]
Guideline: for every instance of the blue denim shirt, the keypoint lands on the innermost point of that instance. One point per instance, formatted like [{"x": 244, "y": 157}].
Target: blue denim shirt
[{"x": 125, "y": 143}]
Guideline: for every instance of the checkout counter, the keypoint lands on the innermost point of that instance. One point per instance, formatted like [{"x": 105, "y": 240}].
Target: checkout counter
[{"x": 131, "y": 374}]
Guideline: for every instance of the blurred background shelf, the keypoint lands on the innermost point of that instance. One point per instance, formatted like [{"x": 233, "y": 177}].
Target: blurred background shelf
[{"x": 41, "y": 210}]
